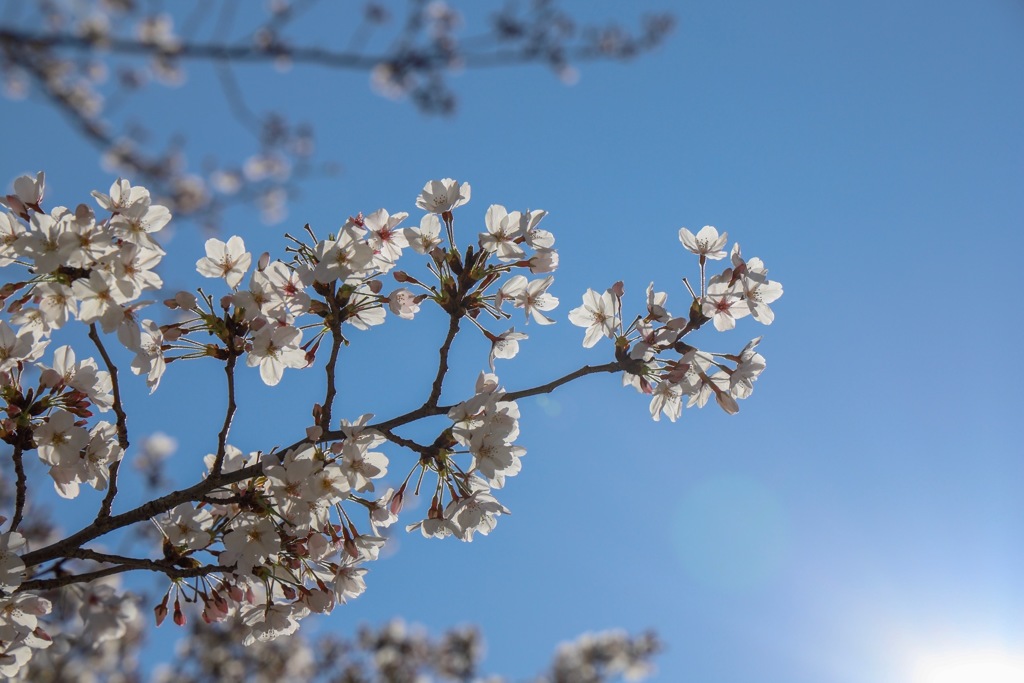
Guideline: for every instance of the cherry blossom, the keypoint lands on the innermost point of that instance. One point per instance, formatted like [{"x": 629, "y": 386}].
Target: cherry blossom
[
  {"x": 426, "y": 237},
  {"x": 531, "y": 296},
  {"x": 707, "y": 243},
  {"x": 503, "y": 230},
  {"x": 403, "y": 303},
  {"x": 228, "y": 260},
  {"x": 275, "y": 348},
  {"x": 598, "y": 314},
  {"x": 724, "y": 303},
  {"x": 505, "y": 345},
  {"x": 442, "y": 196},
  {"x": 386, "y": 241}
]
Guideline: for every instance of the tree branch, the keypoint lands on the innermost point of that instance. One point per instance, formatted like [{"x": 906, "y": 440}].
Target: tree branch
[
  {"x": 442, "y": 363},
  {"x": 229, "y": 414},
  {"x": 99, "y": 527},
  {"x": 171, "y": 571},
  {"x": 122, "y": 423},
  {"x": 332, "y": 388},
  {"x": 21, "y": 488}
]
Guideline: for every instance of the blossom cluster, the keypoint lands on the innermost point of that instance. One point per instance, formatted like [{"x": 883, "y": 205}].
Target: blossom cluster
[
  {"x": 285, "y": 545},
  {"x": 281, "y": 532},
  {"x": 657, "y": 361}
]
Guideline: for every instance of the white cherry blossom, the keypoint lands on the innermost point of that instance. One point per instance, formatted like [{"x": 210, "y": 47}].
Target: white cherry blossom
[
  {"x": 598, "y": 314},
  {"x": 707, "y": 243},
  {"x": 228, "y": 260},
  {"x": 275, "y": 348},
  {"x": 441, "y": 196}
]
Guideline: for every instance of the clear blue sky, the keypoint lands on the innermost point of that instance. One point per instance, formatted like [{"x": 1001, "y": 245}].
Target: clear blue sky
[{"x": 864, "y": 509}]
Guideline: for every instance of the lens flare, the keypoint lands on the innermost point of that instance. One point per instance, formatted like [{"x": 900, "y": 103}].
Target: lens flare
[{"x": 979, "y": 666}]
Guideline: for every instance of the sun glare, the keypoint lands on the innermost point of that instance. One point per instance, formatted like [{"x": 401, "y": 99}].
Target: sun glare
[{"x": 980, "y": 666}]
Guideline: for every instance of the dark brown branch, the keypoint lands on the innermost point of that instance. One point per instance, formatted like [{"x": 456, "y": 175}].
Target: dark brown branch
[
  {"x": 21, "y": 488},
  {"x": 406, "y": 443},
  {"x": 551, "y": 386},
  {"x": 155, "y": 507},
  {"x": 104, "y": 525},
  {"x": 327, "y": 409},
  {"x": 122, "y": 423},
  {"x": 442, "y": 363},
  {"x": 229, "y": 414},
  {"x": 171, "y": 571}
]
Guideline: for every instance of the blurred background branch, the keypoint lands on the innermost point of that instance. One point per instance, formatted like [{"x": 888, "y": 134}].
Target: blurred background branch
[{"x": 92, "y": 60}]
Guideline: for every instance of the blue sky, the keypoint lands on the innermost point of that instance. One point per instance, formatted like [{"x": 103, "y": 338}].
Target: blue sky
[{"x": 863, "y": 510}]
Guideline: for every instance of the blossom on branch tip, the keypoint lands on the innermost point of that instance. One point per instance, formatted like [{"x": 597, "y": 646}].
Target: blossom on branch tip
[
  {"x": 426, "y": 237},
  {"x": 598, "y": 314},
  {"x": 723, "y": 303},
  {"x": 441, "y": 196},
  {"x": 503, "y": 230},
  {"x": 228, "y": 260},
  {"x": 404, "y": 303},
  {"x": 275, "y": 348},
  {"x": 707, "y": 243},
  {"x": 505, "y": 345},
  {"x": 28, "y": 190}
]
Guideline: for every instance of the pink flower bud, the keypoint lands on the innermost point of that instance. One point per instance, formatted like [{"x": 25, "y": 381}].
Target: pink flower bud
[{"x": 397, "y": 500}]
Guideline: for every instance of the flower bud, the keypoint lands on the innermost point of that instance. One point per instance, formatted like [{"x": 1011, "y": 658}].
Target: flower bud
[
  {"x": 219, "y": 602},
  {"x": 179, "y": 616},
  {"x": 397, "y": 501}
]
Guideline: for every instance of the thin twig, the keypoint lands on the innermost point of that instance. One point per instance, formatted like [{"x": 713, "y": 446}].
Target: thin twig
[
  {"x": 229, "y": 414},
  {"x": 442, "y": 363},
  {"x": 122, "y": 423},
  {"x": 406, "y": 443},
  {"x": 327, "y": 409},
  {"x": 21, "y": 490},
  {"x": 170, "y": 571}
]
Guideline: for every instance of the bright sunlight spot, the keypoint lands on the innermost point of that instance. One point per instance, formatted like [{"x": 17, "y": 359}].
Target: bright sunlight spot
[{"x": 980, "y": 666}]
